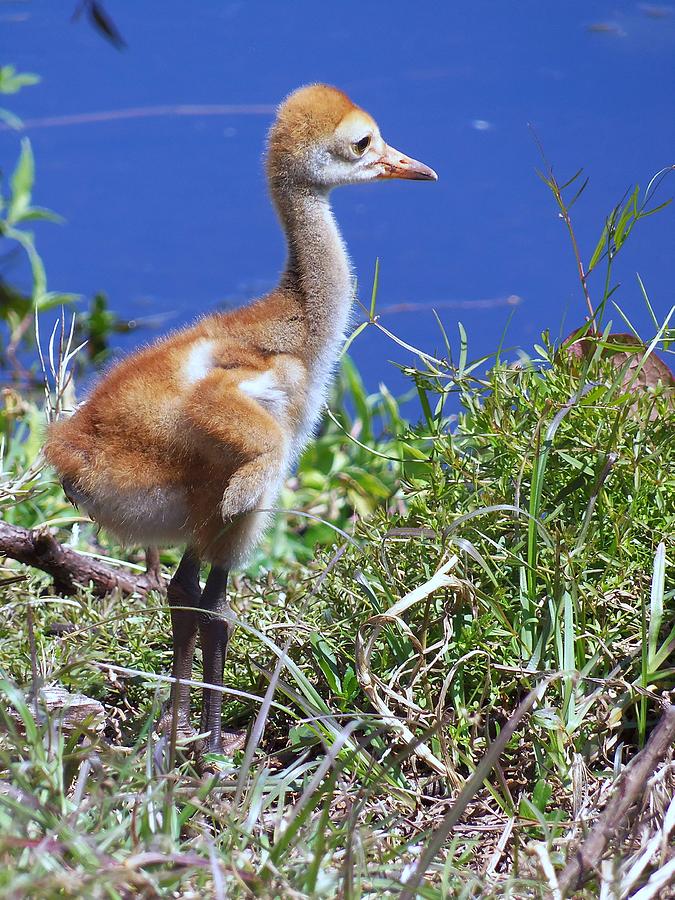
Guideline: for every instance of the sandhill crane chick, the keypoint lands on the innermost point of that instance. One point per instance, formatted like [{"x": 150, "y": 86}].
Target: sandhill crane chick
[{"x": 184, "y": 440}]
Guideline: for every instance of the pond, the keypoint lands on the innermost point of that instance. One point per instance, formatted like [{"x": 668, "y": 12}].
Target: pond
[{"x": 153, "y": 154}]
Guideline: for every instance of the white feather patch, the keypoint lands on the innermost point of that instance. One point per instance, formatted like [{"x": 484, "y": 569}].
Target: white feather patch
[
  {"x": 199, "y": 362},
  {"x": 265, "y": 390}
]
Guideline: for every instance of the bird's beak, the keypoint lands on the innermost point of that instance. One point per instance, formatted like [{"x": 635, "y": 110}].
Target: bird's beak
[{"x": 398, "y": 165}]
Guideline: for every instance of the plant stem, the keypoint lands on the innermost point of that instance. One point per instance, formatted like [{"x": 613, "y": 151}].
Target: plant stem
[{"x": 564, "y": 211}]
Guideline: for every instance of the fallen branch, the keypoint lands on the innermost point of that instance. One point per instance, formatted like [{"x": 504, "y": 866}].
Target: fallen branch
[
  {"x": 628, "y": 788},
  {"x": 70, "y": 569}
]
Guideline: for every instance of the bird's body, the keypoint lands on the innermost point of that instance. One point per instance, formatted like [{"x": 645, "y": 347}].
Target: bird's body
[
  {"x": 188, "y": 441},
  {"x": 154, "y": 453}
]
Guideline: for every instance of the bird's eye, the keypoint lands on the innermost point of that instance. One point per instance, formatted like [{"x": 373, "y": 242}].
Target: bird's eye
[{"x": 360, "y": 147}]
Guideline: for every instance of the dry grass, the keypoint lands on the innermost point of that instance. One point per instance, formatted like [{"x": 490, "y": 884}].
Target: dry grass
[{"x": 453, "y": 691}]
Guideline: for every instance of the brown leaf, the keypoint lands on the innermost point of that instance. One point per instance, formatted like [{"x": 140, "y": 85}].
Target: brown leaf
[{"x": 653, "y": 372}]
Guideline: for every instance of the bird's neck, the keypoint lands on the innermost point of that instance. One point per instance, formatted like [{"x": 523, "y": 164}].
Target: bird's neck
[{"x": 318, "y": 271}]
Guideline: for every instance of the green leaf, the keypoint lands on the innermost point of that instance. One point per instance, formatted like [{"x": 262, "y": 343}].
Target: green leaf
[
  {"x": 463, "y": 349},
  {"x": 350, "y": 684},
  {"x": 22, "y": 183},
  {"x": 415, "y": 453},
  {"x": 10, "y": 119},
  {"x": 40, "y": 214},
  {"x": 25, "y": 238},
  {"x": 426, "y": 408},
  {"x": 572, "y": 179},
  {"x": 303, "y": 735},
  {"x": 667, "y": 648},
  {"x": 547, "y": 717},
  {"x": 626, "y": 219},
  {"x": 370, "y": 484},
  {"x": 578, "y": 194},
  {"x": 358, "y": 395},
  {"x": 12, "y": 81},
  {"x": 569, "y": 661},
  {"x": 655, "y": 209},
  {"x": 600, "y": 247},
  {"x": 325, "y": 658},
  {"x": 541, "y": 794},
  {"x": 16, "y": 698},
  {"x": 352, "y": 337},
  {"x": 373, "y": 295},
  {"x": 50, "y": 299}
]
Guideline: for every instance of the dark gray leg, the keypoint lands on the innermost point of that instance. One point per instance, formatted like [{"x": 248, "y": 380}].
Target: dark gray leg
[
  {"x": 183, "y": 591},
  {"x": 214, "y": 634}
]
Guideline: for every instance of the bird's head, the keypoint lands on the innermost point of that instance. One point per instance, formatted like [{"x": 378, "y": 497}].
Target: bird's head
[{"x": 320, "y": 139}]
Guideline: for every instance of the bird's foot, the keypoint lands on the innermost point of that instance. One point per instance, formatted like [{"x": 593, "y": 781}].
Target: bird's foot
[
  {"x": 185, "y": 733},
  {"x": 229, "y": 742},
  {"x": 226, "y": 744}
]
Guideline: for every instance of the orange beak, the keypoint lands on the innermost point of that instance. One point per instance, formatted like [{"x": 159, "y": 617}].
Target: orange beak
[{"x": 398, "y": 165}]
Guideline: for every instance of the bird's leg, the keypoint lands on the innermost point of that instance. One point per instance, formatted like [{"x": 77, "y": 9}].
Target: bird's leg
[
  {"x": 215, "y": 631},
  {"x": 183, "y": 591},
  {"x": 153, "y": 569}
]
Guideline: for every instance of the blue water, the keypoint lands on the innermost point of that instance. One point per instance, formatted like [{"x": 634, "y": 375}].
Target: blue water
[{"x": 169, "y": 215}]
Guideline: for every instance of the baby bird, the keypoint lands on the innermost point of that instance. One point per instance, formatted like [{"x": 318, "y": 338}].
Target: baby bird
[{"x": 189, "y": 440}]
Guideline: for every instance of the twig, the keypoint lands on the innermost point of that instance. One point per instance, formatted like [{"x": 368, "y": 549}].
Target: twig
[
  {"x": 629, "y": 786},
  {"x": 70, "y": 569}
]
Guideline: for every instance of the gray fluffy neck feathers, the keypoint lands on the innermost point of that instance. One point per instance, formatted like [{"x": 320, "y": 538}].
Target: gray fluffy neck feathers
[{"x": 318, "y": 269}]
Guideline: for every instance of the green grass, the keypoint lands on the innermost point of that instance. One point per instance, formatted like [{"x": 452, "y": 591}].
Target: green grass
[{"x": 522, "y": 545}]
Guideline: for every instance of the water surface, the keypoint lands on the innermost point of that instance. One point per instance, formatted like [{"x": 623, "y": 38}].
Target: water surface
[{"x": 168, "y": 212}]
